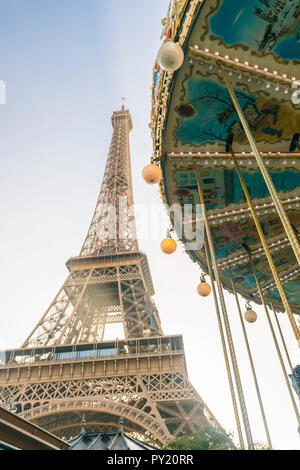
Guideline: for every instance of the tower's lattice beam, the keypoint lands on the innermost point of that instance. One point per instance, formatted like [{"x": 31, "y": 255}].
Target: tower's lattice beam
[
  {"x": 88, "y": 302},
  {"x": 66, "y": 366},
  {"x": 106, "y": 234}
]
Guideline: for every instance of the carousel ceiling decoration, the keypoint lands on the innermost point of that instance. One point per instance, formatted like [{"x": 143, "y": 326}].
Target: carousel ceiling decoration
[
  {"x": 258, "y": 44},
  {"x": 225, "y": 124}
]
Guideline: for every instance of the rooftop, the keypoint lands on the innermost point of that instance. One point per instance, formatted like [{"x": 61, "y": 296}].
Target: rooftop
[{"x": 106, "y": 440}]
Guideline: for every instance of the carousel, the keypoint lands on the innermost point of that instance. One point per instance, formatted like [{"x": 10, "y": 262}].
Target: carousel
[{"x": 225, "y": 123}]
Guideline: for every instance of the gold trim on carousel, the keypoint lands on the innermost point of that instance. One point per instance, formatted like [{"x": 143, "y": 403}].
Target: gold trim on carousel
[
  {"x": 159, "y": 105},
  {"x": 283, "y": 279},
  {"x": 257, "y": 253},
  {"x": 264, "y": 207},
  {"x": 181, "y": 9},
  {"x": 236, "y": 62},
  {"x": 229, "y": 156}
]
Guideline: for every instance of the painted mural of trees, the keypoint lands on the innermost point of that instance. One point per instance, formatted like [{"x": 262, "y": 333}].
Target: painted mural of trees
[{"x": 219, "y": 101}]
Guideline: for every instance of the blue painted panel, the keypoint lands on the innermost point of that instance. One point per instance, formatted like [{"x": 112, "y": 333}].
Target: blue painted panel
[
  {"x": 264, "y": 25},
  {"x": 283, "y": 181}
]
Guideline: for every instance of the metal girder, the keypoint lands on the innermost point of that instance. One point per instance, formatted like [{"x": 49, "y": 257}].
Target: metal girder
[{"x": 109, "y": 282}]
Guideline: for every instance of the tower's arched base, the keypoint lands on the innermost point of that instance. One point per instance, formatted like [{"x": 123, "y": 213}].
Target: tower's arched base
[{"x": 148, "y": 388}]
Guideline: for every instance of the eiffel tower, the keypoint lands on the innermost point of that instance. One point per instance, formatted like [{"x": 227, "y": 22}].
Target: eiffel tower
[{"x": 66, "y": 368}]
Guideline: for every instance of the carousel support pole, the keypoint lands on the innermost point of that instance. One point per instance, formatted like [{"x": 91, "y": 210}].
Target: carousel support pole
[
  {"x": 277, "y": 203},
  {"x": 267, "y": 250},
  {"x": 225, "y": 317},
  {"x": 225, "y": 353},
  {"x": 251, "y": 362},
  {"x": 274, "y": 337},
  {"x": 281, "y": 333}
]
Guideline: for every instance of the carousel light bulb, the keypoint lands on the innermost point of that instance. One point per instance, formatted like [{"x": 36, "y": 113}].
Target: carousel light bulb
[
  {"x": 152, "y": 174},
  {"x": 203, "y": 288},
  {"x": 170, "y": 56},
  {"x": 168, "y": 246},
  {"x": 250, "y": 316}
]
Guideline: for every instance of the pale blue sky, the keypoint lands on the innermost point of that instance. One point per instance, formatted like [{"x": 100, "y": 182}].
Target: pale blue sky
[{"x": 66, "y": 65}]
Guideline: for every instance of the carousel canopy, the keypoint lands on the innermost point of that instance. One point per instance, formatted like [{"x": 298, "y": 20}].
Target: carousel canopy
[{"x": 194, "y": 119}]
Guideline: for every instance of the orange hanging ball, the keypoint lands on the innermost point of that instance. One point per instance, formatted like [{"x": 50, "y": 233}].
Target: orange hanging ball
[
  {"x": 168, "y": 246},
  {"x": 152, "y": 174},
  {"x": 203, "y": 289}
]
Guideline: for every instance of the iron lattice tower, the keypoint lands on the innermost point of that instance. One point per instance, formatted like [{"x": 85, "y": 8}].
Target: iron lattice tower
[{"x": 65, "y": 367}]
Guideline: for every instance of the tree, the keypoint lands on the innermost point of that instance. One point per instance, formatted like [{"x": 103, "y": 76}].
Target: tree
[
  {"x": 261, "y": 446},
  {"x": 204, "y": 439}
]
